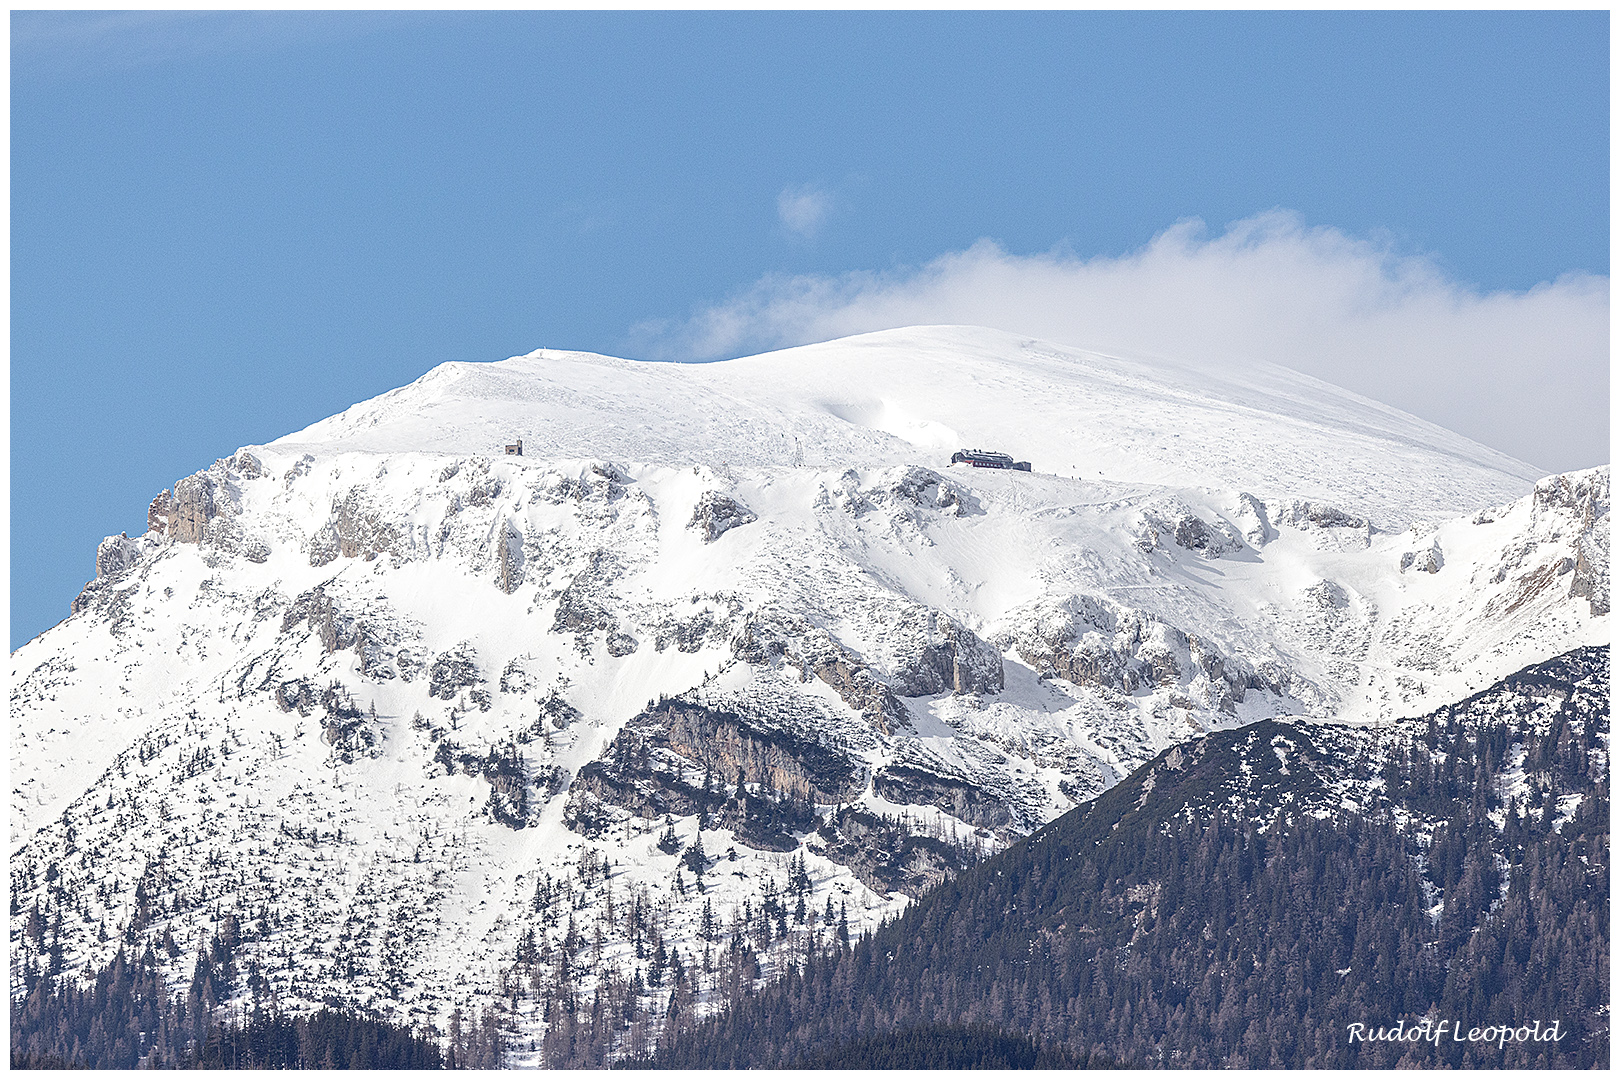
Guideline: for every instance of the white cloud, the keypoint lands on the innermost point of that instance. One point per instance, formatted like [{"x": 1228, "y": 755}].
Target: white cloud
[
  {"x": 1524, "y": 372},
  {"x": 803, "y": 210}
]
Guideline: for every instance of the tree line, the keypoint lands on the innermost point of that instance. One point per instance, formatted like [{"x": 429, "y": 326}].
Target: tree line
[{"x": 1162, "y": 926}]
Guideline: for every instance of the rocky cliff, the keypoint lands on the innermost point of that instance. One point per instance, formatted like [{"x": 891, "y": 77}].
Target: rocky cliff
[{"x": 428, "y": 721}]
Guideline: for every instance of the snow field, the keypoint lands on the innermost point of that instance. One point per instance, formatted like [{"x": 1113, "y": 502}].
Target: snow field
[{"x": 153, "y": 739}]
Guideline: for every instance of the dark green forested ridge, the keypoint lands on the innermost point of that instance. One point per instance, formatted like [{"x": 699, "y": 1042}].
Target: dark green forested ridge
[
  {"x": 123, "y": 1019},
  {"x": 1242, "y": 900},
  {"x": 943, "y": 1046},
  {"x": 1238, "y": 901}
]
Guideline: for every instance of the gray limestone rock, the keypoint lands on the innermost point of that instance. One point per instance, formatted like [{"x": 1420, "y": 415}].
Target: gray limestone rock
[
  {"x": 916, "y": 486},
  {"x": 1173, "y": 521},
  {"x": 244, "y": 464},
  {"x": 1255, "y": 521},
  {"x": 192, "y": 508},
  {"x": 1428, "y": 561},
  {"x": 954, "y": 660},
  {"x": 116, "y": 555},
  {"x": 316, "y": 609},
  {"x": 509, "y": 560},
  {"x": 1591, "y": 570},
  {"x": 716, "y": 514},
  {"x": 909, "y": 786},
  {"x": 1303, "y": 514},
  {"x": 682, "y": 758},
  {"x": 452, "y": 671},
  {"x": 1093, "y": 641},
  {"x": 157, "y": 514},
  {"x": 865, "y": 693}
]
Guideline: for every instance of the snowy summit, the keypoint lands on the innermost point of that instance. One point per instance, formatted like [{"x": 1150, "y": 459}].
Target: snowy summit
[
  {"x": 914, "y": 396},
  {"x": 727, "y": 639}
]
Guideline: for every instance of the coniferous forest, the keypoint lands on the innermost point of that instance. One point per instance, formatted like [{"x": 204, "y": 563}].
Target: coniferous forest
[
  {"x": 1245, "y": 900},
  {"x": 1242, "y": 902},
  {"x": 125, "y": 1020},
  {"x": 943, "y": 1046}
]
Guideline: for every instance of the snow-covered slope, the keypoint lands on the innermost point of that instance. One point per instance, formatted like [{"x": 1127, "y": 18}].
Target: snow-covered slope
[
  {"x": 914, "y": 396},
  {"x": 379, "y": 689}
]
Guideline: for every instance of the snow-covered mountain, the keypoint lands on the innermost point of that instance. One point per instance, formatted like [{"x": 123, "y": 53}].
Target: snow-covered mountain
[{"x": 725, "y": 638}]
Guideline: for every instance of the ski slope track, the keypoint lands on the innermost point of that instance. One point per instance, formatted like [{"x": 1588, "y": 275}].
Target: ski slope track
[{"x": 389, "y": 698}]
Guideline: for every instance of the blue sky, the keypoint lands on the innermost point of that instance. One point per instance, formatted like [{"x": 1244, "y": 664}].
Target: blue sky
[{"x": 228, "y": 225}]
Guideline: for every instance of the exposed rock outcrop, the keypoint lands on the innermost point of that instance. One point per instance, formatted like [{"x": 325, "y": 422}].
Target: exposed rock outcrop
[
  {"x": 1303, "y": 514},
  {"x": 317, "y": 610},
  {"x": 913, "y": 485},
  {"x": 926, "y": 651},
  {"x": 887, "y": 856},
  {"x": 116, "y": 555},
  {"x": 204, "y": 506},
  {"x": 712, "y": 624},
  {"x": 583, "y": 607},
  {"x": 904, "y": 488},
  {"x": 771, "y": 634},
  {"x": 906, "y": 785},
  {"x": 1428, "y": 561},
  {"x": 342, "y": 720},
  {"x": 716, "y": 514},
  {"x": 1172, "y": 521},
  {"x": 509, "y": 561},
  {"x": 681, "y": 758},
  {"x": 157, "y": 513},
  {"x": 192, "y": 507},
  {"x": 1585, "y": 496},
  {"x": 244, "y": 464},
  {"x": 1092, "y": 641},
  {"x": 1254, "y": 519},
  {"x": 1591, "y": 569},
  {"x": 453, "y": 671},
  {"x": 864, "y": 692},
  {"x": 954, "y": 659},
  {"x": 355, "y": 530},
  {"x": 1328, "y": 526}
]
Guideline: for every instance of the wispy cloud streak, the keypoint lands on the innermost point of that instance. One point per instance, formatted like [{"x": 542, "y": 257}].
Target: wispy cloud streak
[
  {"x": 1525, "y": 372},
  {"x": 803, "y": 210}
]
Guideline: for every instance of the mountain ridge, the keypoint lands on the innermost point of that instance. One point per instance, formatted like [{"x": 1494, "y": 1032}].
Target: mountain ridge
[
  {"x": 405, "y": 707},
  {"x": 884, "y": 396},
  {"x": 1256, "y": 897}
]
